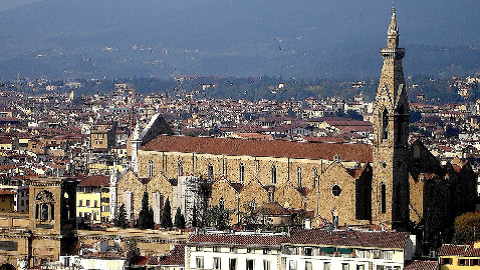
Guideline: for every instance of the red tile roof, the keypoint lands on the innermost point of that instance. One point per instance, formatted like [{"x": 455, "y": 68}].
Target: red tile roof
[
  {"x": 96, "y": 181},
  {"x": 239, "y": 240},
  {"x": 7, "y": 192},
  {"x": 176, "y": 257},
  {"x": 260, "y": 148},
  {"x": 421, "y": 265},
  {"x": 349, "y": 238},
  {"x": 459, "y": 250}
]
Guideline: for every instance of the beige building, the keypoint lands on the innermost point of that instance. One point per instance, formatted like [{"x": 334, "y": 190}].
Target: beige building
[
  {"x": 46, "y": 231},
  {"x": 391, "y": 183}
]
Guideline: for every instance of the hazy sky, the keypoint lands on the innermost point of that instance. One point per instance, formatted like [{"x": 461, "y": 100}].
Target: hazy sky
[{"x": 8, "y": 4}]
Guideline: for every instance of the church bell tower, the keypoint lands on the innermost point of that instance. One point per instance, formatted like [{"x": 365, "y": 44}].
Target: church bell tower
[{"x": 390, "y": 188}]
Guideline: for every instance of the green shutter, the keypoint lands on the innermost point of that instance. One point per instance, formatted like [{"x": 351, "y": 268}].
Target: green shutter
[
  {"x": 345, "y": 250},
  {"x": 328, "y": 249}
]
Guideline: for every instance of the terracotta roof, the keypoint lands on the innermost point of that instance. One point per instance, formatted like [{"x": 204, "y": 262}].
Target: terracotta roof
[
  {"x": 273, "y": 208},
  {"x": 240, "y": 240},
  {"x": 176, "y": 256},
  {"x": 7, "y": 192},
  {"x": 459, "y": 250},
  {"x": 260, "y": 148},
  {"x": 421, "y": 265},
  {"x": 96, "y": 181},
  {"x": 349, "y": 238}
]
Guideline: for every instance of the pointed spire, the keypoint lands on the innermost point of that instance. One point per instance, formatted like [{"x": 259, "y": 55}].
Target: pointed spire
[{"x": 393, "y": 28}]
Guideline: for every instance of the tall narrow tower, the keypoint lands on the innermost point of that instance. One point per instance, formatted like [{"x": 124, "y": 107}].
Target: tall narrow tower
[{"x": 390, "y": 186}]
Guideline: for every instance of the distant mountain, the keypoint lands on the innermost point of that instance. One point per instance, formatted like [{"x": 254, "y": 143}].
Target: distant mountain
[{"x": 301, "y": 38}]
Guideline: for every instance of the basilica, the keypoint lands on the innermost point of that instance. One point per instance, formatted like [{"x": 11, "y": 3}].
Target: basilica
[{"x": 394, "y": 182}]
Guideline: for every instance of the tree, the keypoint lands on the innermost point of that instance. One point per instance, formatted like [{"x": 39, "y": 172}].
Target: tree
[
  {"x": 218, "y": 217},
  {"x": 355, "y": 115},
  {"x": 194, "y": 217},
  {"x": 145, "y": 217},
  {"x": 451, "y": 131},
  {"x": 166, "y": 220},
  {"x": 251, "y": 217},
  {"x": 467, "y": 228},
  {"x": 121, "y": 218},
  {"x": 179, "y": 219}
]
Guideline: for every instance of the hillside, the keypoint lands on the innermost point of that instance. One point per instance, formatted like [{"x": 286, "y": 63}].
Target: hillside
[{"x": 308, "y": 38}]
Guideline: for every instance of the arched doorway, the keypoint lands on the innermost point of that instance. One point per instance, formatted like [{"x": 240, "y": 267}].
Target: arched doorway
[{"x": 7, "y": 266}]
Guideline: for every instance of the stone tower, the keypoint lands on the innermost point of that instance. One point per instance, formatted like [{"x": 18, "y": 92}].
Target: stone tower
[{"x": 390, "y": 188}]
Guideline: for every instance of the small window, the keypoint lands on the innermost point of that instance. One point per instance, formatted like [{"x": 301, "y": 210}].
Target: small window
[
  {"x": 327, "y": 266},
  {"x": 474, "y": 262},
  {"x": 292, "y": 265},
  {"x": 232, "y": 264},
  {"x": 234, "y": 250},
  {"x": 308, "y": 251},
  {"x": 88, "y": 202},
  {"x": 266, "y": 265},
  {"x": 216, "y": 249},
  {"x": 250, "y": 264},
  {"x": 308, "y": 266},
  {"x": 345, "y": 266},
  {"x": 217, "y": 263},
  {"x": 249, "y": 250},
  {"x": 198, "y": 248},
  {"x": 266, "y": 251},
  {"x": 80, "y": 202},
  {"x": 462, "y": 262},
  {"x": 199, "y": 261}
]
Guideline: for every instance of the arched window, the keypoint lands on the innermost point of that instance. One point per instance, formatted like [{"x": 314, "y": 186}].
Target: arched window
[
  {"x": 274, "y": 174},
  {"x": 150, "y": 168},
  {"x": 241, "y": 173},
  {"x": 180, "y": 168},
  {"x": 210, "y": 171},
  {"x": 385, "y": 125},
  {"x": 383, "y": 198},
  {"x": 299, "y": 176},
  {"x": 44, "y": 206}
]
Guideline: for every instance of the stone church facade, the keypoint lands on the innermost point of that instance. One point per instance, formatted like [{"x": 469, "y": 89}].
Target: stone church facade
[{"x": 391, "y": 182}]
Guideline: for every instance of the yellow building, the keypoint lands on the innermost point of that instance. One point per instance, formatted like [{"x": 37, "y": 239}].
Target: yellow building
[
  {"x": 93, "y": 199},
  {"x": 7, "y": 198},
  {"x": 459, "y": 256}
]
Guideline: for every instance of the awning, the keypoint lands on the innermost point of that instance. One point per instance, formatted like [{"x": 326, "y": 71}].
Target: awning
[
  {"x": 328, "y": 249},
  {"x": 345, "y": 250}
]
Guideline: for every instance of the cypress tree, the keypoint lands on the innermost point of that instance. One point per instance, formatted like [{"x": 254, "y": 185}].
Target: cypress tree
[
  {"x": 121, "y": 218},
  {"x": 166, "y": 220},
  {"x": 194, "y": 217},
  {"x": 145, "y": 218},
  {"x": 179, "y": 219}
]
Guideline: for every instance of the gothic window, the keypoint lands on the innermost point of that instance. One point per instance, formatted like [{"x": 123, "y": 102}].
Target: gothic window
[
  {"x": 150, "y": 168},
  {"x": 210, "y": 171},
  {"x": 271, "y": 194},
  {"x": 274, "y": 174},
  {"x": 385, "y": 125},
  {"x": 241, "y": 173},
  {"x": 383, "y": 195},
  {"x": 180, "y": 168},
  {"x": 299, "y": 176},
  {"x": 400, "y": 128}
]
